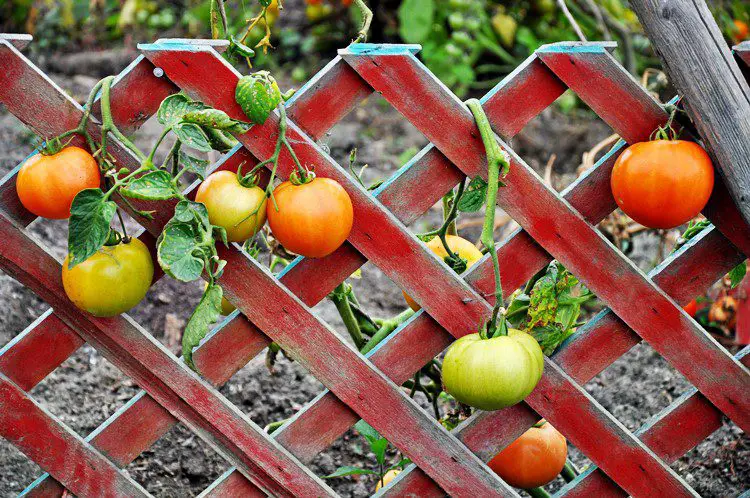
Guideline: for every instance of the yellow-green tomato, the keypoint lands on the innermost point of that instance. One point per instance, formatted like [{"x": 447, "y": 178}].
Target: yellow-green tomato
[
  {"x": 231, "y": 204},
  {"x": 111, "y": 281},
  {"x": 490, "y": 374}
]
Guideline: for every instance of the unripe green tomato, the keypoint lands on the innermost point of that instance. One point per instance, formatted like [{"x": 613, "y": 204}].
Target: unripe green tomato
[
  {"x": 462, "y": 38},
  {"x": 453, "y": 50},
  {"x": 473, "y": 24},
  {"x": 456, "y": 20},
  {"x": 490, "y": 374},
  {"x": 112, "y": 281}
]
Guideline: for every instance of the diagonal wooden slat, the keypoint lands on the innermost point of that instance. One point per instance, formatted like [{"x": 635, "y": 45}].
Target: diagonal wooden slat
[
  {"x": 550, "y": 220},
  {"x": 206, "y": 412},
  {"x": 57, "y": 449}
]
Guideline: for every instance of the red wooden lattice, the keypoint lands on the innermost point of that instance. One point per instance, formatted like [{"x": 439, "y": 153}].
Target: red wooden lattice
[{"x": 553, "y": 226}]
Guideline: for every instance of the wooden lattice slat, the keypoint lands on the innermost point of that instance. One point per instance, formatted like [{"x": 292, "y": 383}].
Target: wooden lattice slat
[{"x": 452, "y": 305}]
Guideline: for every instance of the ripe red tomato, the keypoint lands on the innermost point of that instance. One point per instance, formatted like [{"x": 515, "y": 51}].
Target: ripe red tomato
[
  {"x": 662, "y": 183},
  {"x": 111, "y": 281},
  {"x": 46, "y": 185},
  {"x": 532, "y": 460},
  {"x": 691, "y": 308},
  {"x": 313, "y": 219},
  {"x": 229, "y": 203}
]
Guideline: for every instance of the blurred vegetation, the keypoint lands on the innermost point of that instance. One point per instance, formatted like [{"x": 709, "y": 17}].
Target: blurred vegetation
[{"x": 469, "y": 44}]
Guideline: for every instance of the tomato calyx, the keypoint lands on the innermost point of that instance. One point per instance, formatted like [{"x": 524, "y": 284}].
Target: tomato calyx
[
  {"x": 301, "y": 177},
  {"x": 667, "y": 132}
]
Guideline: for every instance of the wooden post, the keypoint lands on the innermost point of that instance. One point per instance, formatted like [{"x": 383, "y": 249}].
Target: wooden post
[{"x": 700, "y": 65}]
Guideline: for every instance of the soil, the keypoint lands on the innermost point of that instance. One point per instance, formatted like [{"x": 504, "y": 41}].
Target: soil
[{"x": 87, "y": 389}]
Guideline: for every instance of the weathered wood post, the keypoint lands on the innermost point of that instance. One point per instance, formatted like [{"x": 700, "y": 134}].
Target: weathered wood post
[{"x": 700, "y": 64}]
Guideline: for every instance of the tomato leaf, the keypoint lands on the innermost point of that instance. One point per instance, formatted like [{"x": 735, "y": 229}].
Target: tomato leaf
[
  {"x": 236, "y": 47},
  {"x": 219, "y": 139},
  {"x": 737, "y": 274},
  {"x": 174, "y": 107},
  {"x": 543, "y": 302},
  {"x": 193, "y": 136},
  {"x": 473, "y": 198},
  {"x": 378, "y": 447},
  {"x": 216, "y": 119},
  {"x": 207, "y": 312},
  {"x": 367, "y": 431},
  {"x": 90, "y": 218},
  {"x": 187, "y": 243},
  {"x": 153, "y": 186},
  {"x": 349, "y": 471},
  {"x": 194, "y": 164}
]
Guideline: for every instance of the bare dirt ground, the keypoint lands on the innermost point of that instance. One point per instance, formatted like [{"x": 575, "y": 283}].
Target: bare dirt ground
[{"x": 87, "y": 389}]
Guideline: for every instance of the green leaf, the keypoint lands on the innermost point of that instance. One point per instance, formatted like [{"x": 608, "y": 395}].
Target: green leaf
[
  {"x": 549, "y": 337},
  {"x": 178, "y": 251},
  {"x": 235, "y": 47},
  {"x": 207, "y": 312},
  {"x": 367, "y": 431},
  {"x": 88, "y": 230},
  {"x": 349, "y": 471},
  {"x": 153, "y": 186},
  {"x": 416, "y": 18},
  {"x": 378, "y": 447},
  {"x": 216, "y": 119},
  {"x": 737, "y": 274},
  {"x": 220, "y": 140},
  {"x": 192, "y": 135},
  {"x": 186, "y": 242},
  {"x": 474, "y": 196},
  {"x": 543, "y": 303},
  {"x": 194, "y": 164},
  {"x": 174, "y": 107}
]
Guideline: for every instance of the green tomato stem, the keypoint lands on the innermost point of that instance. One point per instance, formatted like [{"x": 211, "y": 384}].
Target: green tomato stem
[
  {"x": 340, "y": 300},
  {"x": 538, "y": 493},
  {"x": 165, "y": 131},
  {"x": 366, "y": 21},
  {"x": 387, "y": 327},
  {"x": 569, "y": 471},
  {"x": 495, "y": 160}
]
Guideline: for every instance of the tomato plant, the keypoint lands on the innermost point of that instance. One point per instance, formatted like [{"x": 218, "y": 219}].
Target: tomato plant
[
  {"x": 534, "y": 459},
  {"x": 238, "y": 208},
  {"x": 492, "y": 373},
  {"x": 47, "y": 183},
  {"x": 662, "y": 183},
  {"x": 458, "y": 245},
  {"x": 112, "y": 280},
  {"x": 387, "y": 478},
  {"x": 311, "y": 218}
]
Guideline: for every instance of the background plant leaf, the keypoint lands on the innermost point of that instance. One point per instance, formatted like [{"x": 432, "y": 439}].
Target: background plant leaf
[{"x": 349, "y": 471}]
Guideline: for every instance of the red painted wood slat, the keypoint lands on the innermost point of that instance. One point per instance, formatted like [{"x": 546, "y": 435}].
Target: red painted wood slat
[
  {"x": 171, "y": 383},
  {"x": 57, "y": 449},
  {"x": 547, "y": 217}
]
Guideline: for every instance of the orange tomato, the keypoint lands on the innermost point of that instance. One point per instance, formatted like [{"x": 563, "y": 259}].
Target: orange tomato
[
  {"x": 313, "y": 219},
  {"x": 532, "y": 460},
  {"x": 691, "y": 308},
  {"x": 741, "y": 30},
  {"x": 458, "y": 245},
  {"x": 662, "y": 183},
  {"x": 46, "y": 185}
]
